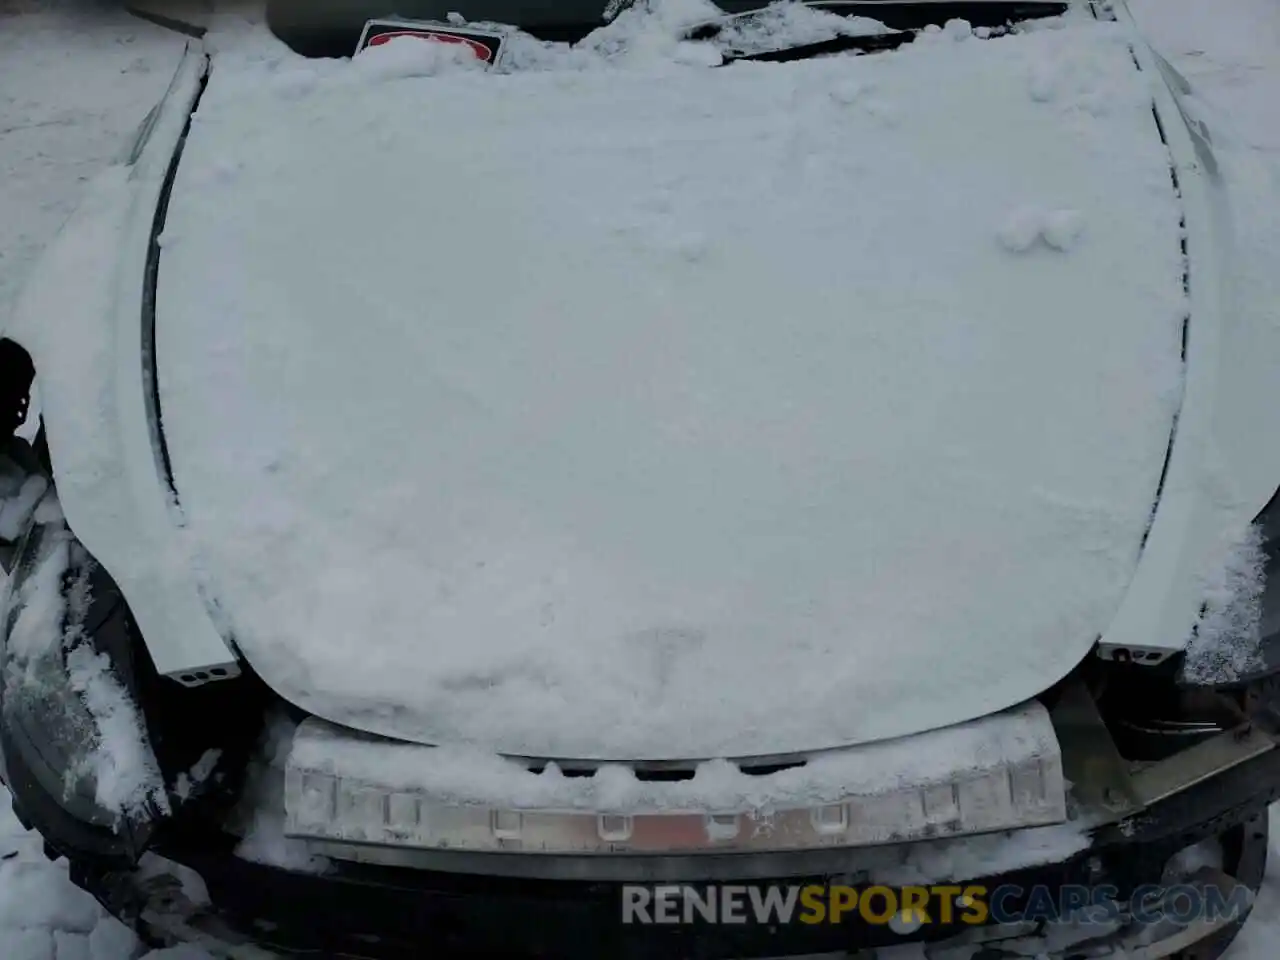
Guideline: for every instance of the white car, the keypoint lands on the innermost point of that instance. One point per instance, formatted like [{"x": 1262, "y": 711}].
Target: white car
[{"x": 522, "y": 479}]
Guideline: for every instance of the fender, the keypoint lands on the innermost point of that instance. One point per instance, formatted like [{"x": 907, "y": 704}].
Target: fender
[
  {"x": 1220, "y": 473},
  {"x": 112, "y": 488}
]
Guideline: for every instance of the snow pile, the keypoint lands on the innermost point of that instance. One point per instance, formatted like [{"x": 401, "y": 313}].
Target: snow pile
[
  {"x": 121, "y": 763},
  {"x": 43, "y": 916},
  {"x": 404, "y": 57},
  {"x": 97, "y": 713},
  {"x": 260, "y": 817},
  {"x": 52, "y": 142},
  {"x": 596, "y": 411},
  {"x": 20, "y": 493},
  {"x": 1231, "y": 64},
  {"x": 1027, "y": 225},
  {"x": 37, "y": 630},
  {"x": 650, "y": 32},
  {"x": 784, "y": 25},
  {"x": 1227, "y": 642}
]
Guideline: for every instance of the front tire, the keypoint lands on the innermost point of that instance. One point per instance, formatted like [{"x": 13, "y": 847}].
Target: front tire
[{"x": 1244, "y": 850}]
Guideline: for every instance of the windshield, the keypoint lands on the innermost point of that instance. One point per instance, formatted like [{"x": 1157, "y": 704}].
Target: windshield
[{"x": 330, "y": 28}]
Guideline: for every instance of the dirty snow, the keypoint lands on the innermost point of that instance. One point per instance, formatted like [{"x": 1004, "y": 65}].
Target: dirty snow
[{"x": 634, "y": 399}]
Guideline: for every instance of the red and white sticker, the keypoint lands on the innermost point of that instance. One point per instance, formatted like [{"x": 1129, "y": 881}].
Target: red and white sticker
[{"x": 484, "y": 45}]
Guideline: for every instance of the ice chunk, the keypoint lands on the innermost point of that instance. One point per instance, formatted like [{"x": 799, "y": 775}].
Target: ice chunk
[
  {"x": 1020, "y": 229},
  {"x": 1062, "y": 228},
  {"x": 1027, "y": 225}
]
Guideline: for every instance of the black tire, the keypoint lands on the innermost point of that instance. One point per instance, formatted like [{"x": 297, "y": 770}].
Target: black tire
[{"x": 1245, "y": 858}]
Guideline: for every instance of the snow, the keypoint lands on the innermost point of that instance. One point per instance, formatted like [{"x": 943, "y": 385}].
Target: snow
[
  {"x": 122, "y": 764},
  {"x": 987, "y": 855},
  {"x": 43, "y": 916},
  {"x": 260, "y": 816},
  {"x": 1027, "y": 225},
  {"x": 67, "y": 126},
  {"x": 1230, "y": 53},
  {"x": 1227, "y": 642},
  {"x": 18, "y": 503},
  {"x": 786, "y": 25},
  {"x": 466, "y": 775},
  {"x": 117, "y": 756},
  {"x": 401, "y": 58},
  {"x": 634, "y": 410},
  {"x": 75, "y": 81},
  {"x": 37, "y": 628},
  {"x": 186, "y": 784}
]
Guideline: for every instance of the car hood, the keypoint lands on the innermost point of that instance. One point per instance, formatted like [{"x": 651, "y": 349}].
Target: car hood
[{"x": 654, "y": 411}]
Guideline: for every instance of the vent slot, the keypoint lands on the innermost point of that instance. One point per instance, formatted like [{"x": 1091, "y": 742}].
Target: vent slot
[{"x": 671, "y": 774}]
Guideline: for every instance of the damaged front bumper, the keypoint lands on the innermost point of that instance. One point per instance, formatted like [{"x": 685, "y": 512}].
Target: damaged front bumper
[
  {"x": 1020, "y": 892},
  {"x": 394, "y": 913},
  {"x": 361, "y": 798}
]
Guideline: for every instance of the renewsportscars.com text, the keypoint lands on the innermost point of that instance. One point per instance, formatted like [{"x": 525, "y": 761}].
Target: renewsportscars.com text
[{"x": 908, "y": 908}]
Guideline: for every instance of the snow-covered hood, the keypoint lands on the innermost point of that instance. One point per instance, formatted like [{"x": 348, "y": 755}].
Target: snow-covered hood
[{"x": 627, "y": 411}]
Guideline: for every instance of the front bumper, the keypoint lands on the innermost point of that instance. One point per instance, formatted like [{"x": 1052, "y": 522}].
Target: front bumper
[{"x": 389, "y": 913}]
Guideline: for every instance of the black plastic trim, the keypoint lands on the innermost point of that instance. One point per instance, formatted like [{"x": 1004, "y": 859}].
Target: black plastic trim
[
  {"x": 62, "y": 830},
  {"x": 168, "y": 23},
  {"x": 1186, "y": 317},
  {"x": 150, "y": 282}
]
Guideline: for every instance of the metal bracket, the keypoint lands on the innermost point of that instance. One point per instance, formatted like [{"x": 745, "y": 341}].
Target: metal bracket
[{"x": 1092, "y": 764}]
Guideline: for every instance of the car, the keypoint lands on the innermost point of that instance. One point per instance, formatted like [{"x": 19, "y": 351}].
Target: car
[{"x": 670, "y": 481}]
